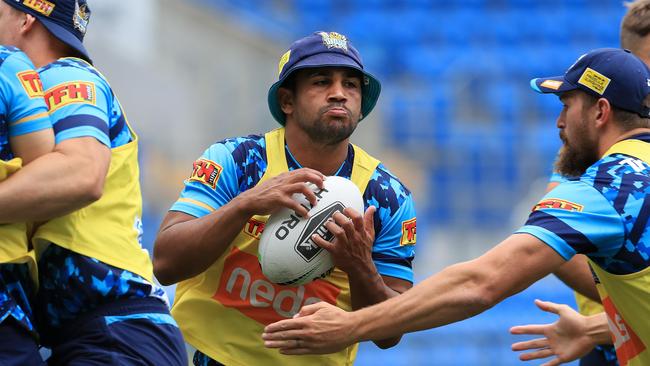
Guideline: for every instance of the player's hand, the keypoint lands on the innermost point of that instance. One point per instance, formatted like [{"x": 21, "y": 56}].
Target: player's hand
[
  {"x": 566, "y": 339},
  {"x": 318, "y": 329},
  {"x": 275, "y": 193},
  {"x": 354, "y": 235}
]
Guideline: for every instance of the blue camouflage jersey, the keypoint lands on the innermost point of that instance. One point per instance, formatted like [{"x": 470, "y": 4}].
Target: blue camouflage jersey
[
  {"x": 244, "y": 162},
  {"x": 22, "y": 111},
  {"x": 82, "y": 104},
  {"x": 602, "y": 214}
]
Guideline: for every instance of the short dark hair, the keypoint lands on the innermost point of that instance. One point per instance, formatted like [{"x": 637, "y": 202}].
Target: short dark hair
[
  {"x": 625, "y": 119},
  {"x": 635, "y": 25}
]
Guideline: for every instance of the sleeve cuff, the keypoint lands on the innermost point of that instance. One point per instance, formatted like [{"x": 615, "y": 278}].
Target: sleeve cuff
[{"x": 550, "y": 239}]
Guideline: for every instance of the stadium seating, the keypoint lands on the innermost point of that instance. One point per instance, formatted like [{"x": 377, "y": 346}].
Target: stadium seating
[{"x": 471, "y": 61}]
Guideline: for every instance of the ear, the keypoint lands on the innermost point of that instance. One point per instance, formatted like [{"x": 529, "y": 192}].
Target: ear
[
  {"x": 603, "y": 111},
  {"x": 28, "y": 23},
  {"x": 285, "y": 99}
]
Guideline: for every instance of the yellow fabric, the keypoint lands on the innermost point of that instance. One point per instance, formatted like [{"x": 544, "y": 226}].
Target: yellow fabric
[
  {"x": 637, "y": 148},
  {"x": 108, "y": 229},
  {"x": 14, "y": 246},
  {"x": 627, "y": 303},
  {"x": 223, "y": 311},
  {"x": 587, "y": 306},
  {"x": 626, "y": 298}
]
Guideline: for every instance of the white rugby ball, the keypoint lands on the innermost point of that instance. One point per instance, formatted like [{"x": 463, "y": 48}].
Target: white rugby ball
[{"x": 287, "y": 254}]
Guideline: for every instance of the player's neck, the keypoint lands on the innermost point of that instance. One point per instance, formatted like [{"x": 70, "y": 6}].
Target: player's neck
[
  {"x": 325, "y": 158},
  {"x": 609, "y": 140},
  {"x": 41, "y": 51}
]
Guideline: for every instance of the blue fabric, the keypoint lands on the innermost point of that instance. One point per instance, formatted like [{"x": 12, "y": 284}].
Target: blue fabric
[
  {"x": 132, "y": 340},
  {"x": 201, "y": 359},
  {"x": 600, "y": 356},
  {"x": 606, "y": 218},
  {"x": 72, "y": 284},
  {"x": 244, "y": 162},
  {"x": 16, "y": 296},
  {"x": 20, "y": 112},
  {"x": 82, "y": 103},
  {"x": 18, "y": 347},
  {"x": 153, "y": 317}
]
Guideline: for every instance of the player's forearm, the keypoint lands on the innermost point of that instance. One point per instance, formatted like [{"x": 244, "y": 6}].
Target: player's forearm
[
  {"x": 52, "y": 185},
  {"x": 185, "y": 249},
  {"x": 368, "y": 288},
  {"x": 456, "y": 293}
]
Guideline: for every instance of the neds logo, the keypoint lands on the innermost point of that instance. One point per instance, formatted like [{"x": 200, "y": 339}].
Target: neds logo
[{"x": 243, "y": 287}]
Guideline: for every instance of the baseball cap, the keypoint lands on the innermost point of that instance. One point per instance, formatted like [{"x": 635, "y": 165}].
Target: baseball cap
[
  {"x": 323, "y": 49},
  {"x": 65, "y": 19},
  {"x": 611, "y": 73}
]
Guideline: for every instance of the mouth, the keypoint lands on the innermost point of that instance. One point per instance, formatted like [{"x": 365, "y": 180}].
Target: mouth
[{"x": 337, "y": 112}]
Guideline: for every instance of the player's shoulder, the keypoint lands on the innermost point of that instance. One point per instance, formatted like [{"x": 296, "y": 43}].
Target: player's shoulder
[
  {"x": 242, "y": 148},
  {"x": 383, "y": 178},
  {"x": 243, "y": 142},
  {"x": 72, "y": 68},
  {"x": 386, "y": 190},
  {"x": 614, "y": 170},
  {"x": 14, "y": 57}
]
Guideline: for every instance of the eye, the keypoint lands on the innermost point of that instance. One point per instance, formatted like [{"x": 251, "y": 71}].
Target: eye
[{"x": 351, "y": 84}]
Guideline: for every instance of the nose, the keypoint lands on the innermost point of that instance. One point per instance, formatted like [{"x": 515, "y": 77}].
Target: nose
[
  {"x": 560, "y": 123},
  {"x": 337, "y": 92}
]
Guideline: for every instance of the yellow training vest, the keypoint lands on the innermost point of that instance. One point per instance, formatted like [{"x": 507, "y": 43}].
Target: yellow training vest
[
  {"x": 626, "y": 298},
  {"x": 587, "y": 306},
  {"x": 14, "y": 246},
  {"x": 222, "y": 312},
  {"x": 107, "y": 229}
]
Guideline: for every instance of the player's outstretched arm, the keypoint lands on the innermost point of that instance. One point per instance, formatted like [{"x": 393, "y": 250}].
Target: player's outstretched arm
[
  {"x": 456, "y": 293},
  {"x": 70, "y": 177},
  {"x": 186, "y": 246},
  {"x": 572, "y": 336}
]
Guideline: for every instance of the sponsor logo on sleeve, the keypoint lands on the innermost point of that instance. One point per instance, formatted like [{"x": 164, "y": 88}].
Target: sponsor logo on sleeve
[
  {"x": 68, "y": 93},
  {"x": 408, "y": 232},
  {"x": 206, "y": 172},
  {"x": 594, "y": 80},
  {"x": 31, "y": 82},
  {"x": 254, "y": 227},
  {"x": 558, "y": 204},
  {"x": 42, "y": 6}
]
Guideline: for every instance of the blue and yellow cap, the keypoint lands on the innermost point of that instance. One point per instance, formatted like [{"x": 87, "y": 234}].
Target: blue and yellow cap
[
  {"x": 323, "y": 49},
  {"x": 65, "y": 19},
  {"x": 611, "y": 73}
]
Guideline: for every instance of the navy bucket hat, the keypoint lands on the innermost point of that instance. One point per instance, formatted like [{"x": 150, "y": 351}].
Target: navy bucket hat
[
  {"x": 611, "y": 73},
  {"x": 67, "y": 20},
  {"x": 323, "y": 49}
]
